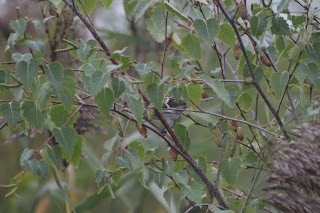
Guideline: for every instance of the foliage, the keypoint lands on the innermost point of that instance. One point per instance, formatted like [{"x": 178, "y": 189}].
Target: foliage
[{"x": 247, "y": 73}]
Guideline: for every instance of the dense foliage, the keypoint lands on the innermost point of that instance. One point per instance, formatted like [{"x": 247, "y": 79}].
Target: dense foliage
[{"x": 249, "y": 74}]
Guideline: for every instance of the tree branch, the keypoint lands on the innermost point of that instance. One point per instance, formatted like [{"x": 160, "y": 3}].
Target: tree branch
[
  {"x": 212, "y": 189},
  {"x": 254, "y": 80}
]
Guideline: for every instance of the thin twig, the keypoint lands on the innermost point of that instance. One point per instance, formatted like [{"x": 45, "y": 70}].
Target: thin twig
[
  {"x": 165, "y": 45},
  {"x": 254, "y": 80},
  {"x": 225, "y": 118}
]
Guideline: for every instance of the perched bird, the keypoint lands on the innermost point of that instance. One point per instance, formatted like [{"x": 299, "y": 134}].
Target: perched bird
[{"x": 172, "y": 110}]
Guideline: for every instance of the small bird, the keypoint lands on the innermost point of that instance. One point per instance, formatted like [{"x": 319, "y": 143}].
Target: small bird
[{"x": 172, "y": 110}]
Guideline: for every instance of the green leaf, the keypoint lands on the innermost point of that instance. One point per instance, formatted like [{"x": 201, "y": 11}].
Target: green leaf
[
  {"x": 278, "y": 82},
  {"x": 258, "y": 25},
  {"x": 279, "y": 26},
  {"x": 87, "y": 81},
  {"x": 39, "y": 168},
  {"x": 313, "y": 51},
  {"x": 59, "y": 115},
  {"x": 171, "y": 9},
  {"x": 63, "y": 82},
  {"x": 12, "y": 41},
  {"x": 128, "y": 6},
  {"x": 182, "y": 177},
  {"x": 105, "y": 101},
  {"x": 142, "y": 180},
  {"x": 158, "y": 178},
  {"x": 66, "y": 137},
  {"x": 157, "y": 18},
  {"x": 95, "y": 65},
  {"x": 156, "y": 93},
  {"x": 191, "y": 46},
  {"x": 37, "y": 25},
  {"x": 144, "y": 69},
  {"x": 118, "y": 87},
  {"x": 167, "y": 197},
  {"x": 207, "y": 29},
  {"x": 283, "y": 5},
  {"x": 83, "y": 51},
  {"x": 194, "y": 192},
  {"x": 230, "y": 169},
  {"x": 245, "y": 102},
  {"x": 76, "y": 155},
  {"x": 99, "y": 80},
  {"x": 227, "y": 35},
  {"x": 218, "y": 88},
  {"x": 169, "y": 167},
  {"x": 25, "y": 156},
  {"x": 89, "y": 203},
  {"x": 17, "y": 57},
  {"x": 176, "y": 92},
  {"x": 130, "y": 160},
  {"x": 141, "y": 8},
  {"x": 89, "y": 5},
  {"x": 124, "y": 60},
  {"x": 33, "y": 115},
  {"x": 138, "y": 146},
  {"x": 156, "y": 33},
  {"x": 109, "y": 143},
  {"x": 67, "y": 92},
  {"x": 195, "y": 94},
  {"x": 41, "y": 90},
  {"x": 37, "y": 45},
  {"x": 202, "y": 162},
  {"x": 11, "y": 112},
  {"x": 107, "y": 3},
  {"x": 298, "y": 20},
  {"x": 101, "y": 176},
  {"x": 19, "y": 26},
  {"x": 54, "y": 72},
  {"x": 136, "y": 106},
  {"x": 279, "y": 42},
  {"x": 151, "y": 78},
  {"x": 182, "y": 133},
  {"x": 27, "y": 71},
  {"x": 311, "y": 70},
  {"x": 55, "y": 156},
  {"x": 250, "y": 160}
]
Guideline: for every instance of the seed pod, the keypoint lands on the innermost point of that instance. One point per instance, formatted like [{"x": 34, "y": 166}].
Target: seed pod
[
  {"x": 216, "y": 135},
  {"x": 116, "y": 125},
  {"x": 265, "y": 61},
  {"x": 124, "y": 150},
  {"x": 232, "y": 145},
  {"x": 234, "y": 124},
  {"x": 237, "y": 51},
  {"x": 205, "y": 95},
  {"x": 65, "y": 13},
  {"x": 150, "y": 112},
  {"x": 173, "y": 154},
  {"x": 248, "y": 81},
  {"x": 242, "y": 10},
  {"x": 240, "y": 151},
  {"x": 239, "y": 134},
  {"x": 142, "y": 130}
]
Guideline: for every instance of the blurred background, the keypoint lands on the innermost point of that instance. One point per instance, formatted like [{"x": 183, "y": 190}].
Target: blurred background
[{"x": 36, "y": 195}]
